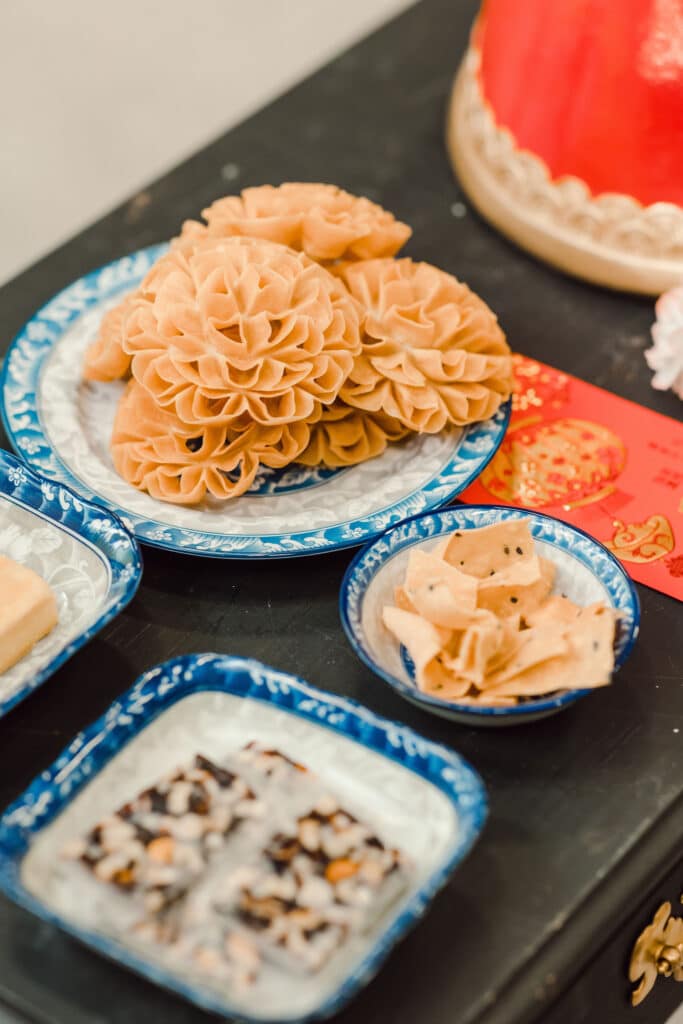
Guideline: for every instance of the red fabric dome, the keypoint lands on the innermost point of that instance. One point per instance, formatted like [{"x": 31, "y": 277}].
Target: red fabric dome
[{"x": 593, "y": 87}]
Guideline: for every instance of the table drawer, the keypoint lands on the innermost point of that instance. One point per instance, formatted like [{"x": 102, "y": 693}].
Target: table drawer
[{"x": 601, "y": 993}]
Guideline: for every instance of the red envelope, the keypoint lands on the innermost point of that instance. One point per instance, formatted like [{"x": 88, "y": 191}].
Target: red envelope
[{"x": 598, "y": 461}]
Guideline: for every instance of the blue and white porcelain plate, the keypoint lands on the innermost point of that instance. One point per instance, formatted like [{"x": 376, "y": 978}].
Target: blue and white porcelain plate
[
  {"x": 586, "y": 572},
  {"x": 62, "y": 425},
  {"x": 86, "y": 555},
  {"x": 214, "y": 704}
]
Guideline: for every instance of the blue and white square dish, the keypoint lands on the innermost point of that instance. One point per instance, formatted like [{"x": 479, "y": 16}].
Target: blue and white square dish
[
  {"x": 86, "y": 555},
  {"x": 215, "y": 704},
  {"x": 586, "y": 572},
  {"x": 62, "y": 426}
]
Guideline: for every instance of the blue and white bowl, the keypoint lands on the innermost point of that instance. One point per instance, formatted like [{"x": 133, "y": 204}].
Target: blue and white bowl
[
  {"x": 215, "y": 704},
  {"x": 586, "y": 573}
]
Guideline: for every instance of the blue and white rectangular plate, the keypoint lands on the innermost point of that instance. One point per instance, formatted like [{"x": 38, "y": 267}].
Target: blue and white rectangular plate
[
  {"x": 215, "y": 704},
  {"x": 84, "y": 553}
]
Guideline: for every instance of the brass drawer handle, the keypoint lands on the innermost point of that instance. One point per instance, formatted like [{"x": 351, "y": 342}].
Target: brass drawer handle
[{"x": 658, "y": 952}]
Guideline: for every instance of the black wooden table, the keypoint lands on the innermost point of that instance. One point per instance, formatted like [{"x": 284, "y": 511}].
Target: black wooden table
[{"x": 586, "y": 810}]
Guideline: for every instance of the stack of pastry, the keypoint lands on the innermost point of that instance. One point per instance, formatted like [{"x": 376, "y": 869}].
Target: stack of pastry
[{"x": 284, "y": 330}]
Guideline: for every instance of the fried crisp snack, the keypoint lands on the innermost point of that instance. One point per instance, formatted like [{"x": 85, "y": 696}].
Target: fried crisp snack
[
  {"x": 490, "y": 549},
  {"x": 555, "y": 609},
  {"x": 586, "y": 663},
  {"x": 235, "y": 327},
  {"x": 433, "y": 353},
  {"x": 509, "y": 593},
  {"x": 424, "y": 642},
  {"x": 440, "y": 593},
  {"x": 286, "y": 307},
  {"x": 184, "y": 463},
  {"x": 472, "y": 652},
  {"x": 527, "y": 648},
  {"x": 106, "y": 359},
  {"x": 476, "y": 616},
  {"x": 321, "y": 220},
  {"x": 344, "y": 436}
]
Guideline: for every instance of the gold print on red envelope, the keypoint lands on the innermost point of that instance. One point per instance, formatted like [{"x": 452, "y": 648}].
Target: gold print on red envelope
[
  {"x": 562, "y": 462},
  {"x": 611, "y": 467},
  {"x": 642, "y": 542},
  {"x": 537, "y": 386}
]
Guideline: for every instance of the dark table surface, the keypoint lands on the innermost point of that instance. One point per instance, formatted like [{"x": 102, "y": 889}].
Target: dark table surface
[{"x": 586, "y": 806}]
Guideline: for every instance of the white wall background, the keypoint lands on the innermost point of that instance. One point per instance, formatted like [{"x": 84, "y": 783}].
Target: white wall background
[{"x": 97, "y": 97}]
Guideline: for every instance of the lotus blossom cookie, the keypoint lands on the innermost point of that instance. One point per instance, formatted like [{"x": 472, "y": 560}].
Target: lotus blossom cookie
[
  {"x": 666, "y": 355},
  {"x": 344, "y": 436},
  {"x": 178, "y": 462},
  {"x": 321, "y": 220},
  {"x": 106, "y": 359},
  {"x": 433, "y": 353},
  {"x": 235, "y": 327}
]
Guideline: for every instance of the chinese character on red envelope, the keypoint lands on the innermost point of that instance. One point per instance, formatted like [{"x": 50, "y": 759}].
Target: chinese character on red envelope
[{"x": 607, "y": 465}]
